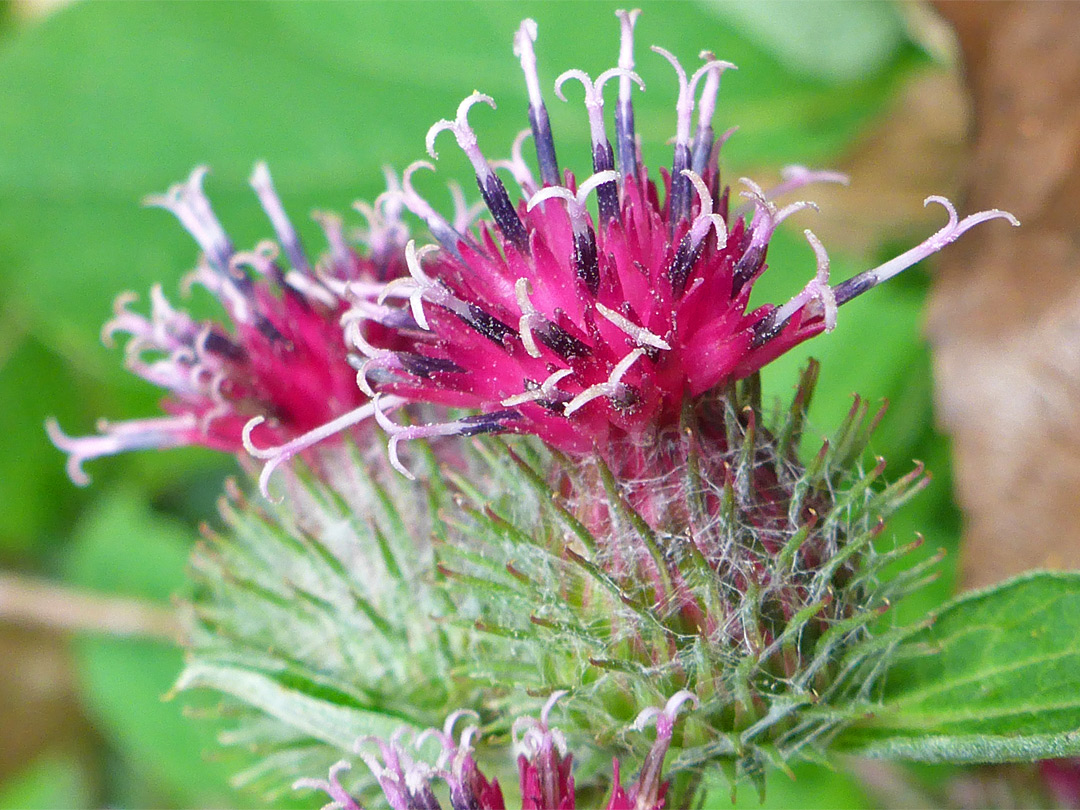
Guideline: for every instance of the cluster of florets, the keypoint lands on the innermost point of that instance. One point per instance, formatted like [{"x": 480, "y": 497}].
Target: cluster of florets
[
  {"x": 588, "y": 331},
  {"x": 278, "y": 359},
  {"x": 545, "y": 767},
  {"x": 585, "y": 331}
]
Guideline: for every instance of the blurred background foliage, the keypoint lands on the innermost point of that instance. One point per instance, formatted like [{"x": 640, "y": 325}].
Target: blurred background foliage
[{"x": 104, "y": 102}]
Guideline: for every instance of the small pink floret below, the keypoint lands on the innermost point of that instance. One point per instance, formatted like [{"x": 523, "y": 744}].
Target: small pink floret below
[{"x": 545, "y": 767}]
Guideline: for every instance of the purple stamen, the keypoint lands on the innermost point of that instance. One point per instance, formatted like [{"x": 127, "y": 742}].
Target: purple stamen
[
  {"x": 187, "y": 202},
  {"x": 817, "y": 289},
  {"x": 764, "y": 223},
  {"x": 421, "y": 288},
  {"x": 491, "y": 187},
  {"x": 690, "y": 245},
  {"x": 947, "y": 235},
  {"x": 538, "y": 115},
  {"x": 400, "y": 784},
  {"x": 624, "y": 111},
  {"x": 586, "y": 261},
  {"x": 607, "y": 195},
  {"x": 543, "y": 747},
  {"x": 275, "y": 211},
  {"x": 442, "y": 230},
  {"x": 833, "y": 297},
  {"x": 467, "y": 426},
  {"x": 611, "y": 388},
  {"x": 276, "y": 456},
  {"x": 118, "y": 437},
  {"x": 340, "y": 799},
  {"x": 679, "y": 207},
  {"x": 544, "y": 391},
  {"x": 646, "y": 792}
]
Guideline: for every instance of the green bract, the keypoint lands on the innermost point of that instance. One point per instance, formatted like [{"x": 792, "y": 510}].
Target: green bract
[{"x": 366, "y": 603}]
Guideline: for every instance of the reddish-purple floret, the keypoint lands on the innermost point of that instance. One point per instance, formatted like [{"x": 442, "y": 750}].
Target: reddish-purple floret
[
  {"x": 545, "y": 767},
  {"x": 279, "y": 355},
  {"x": 587, "y": 330}
]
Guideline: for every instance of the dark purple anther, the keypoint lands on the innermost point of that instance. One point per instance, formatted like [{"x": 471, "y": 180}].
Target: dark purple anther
[
  {"x": 624, "y": 110},
  {"x": 503, "y": 211},
  {"x": 420, "y": 365},
  {"x": 852, "y": 288},
  {"x": 680, "y": 187},
  {"x": 561, "y": 342},
  {"x": 491, "y": 187},
  {"x": 275, "y": 211},
  {"x": 222, "y": 346},
  {"x": 272, "y": 333},
  {"x": 765, "y": 330},
  {"x": 679, "y": 269},
  {"x": 679, "y": 205},
  {"x": 488, "y": 325},
  {"x": 603, "y": 157},
  {"x": 694, "y": 239},
  {"x": 607, "y": 194},
  {"x": 538, "y": 115},
  {"x": 585, "y": 258},
  {"x": 481, "y": 423},
  {"x": 747, "y": 267}
]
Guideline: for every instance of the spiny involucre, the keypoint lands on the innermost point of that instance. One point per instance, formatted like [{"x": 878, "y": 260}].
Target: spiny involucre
[{"x": 662, "y": 544}]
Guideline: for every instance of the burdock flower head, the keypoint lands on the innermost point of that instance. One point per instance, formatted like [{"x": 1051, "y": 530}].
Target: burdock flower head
[
  {"x": 279, "y": 357},
  {"x": 594, "y": 332}
]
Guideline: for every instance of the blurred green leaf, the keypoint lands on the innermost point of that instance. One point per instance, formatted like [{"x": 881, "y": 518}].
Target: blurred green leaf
[
  {"x": 51, "y": 782},
  {"x": 862, "y": 34},
  {"x": 813, "y": 787},
  {"x": 34, "y": 383},
  {"x": 122, "y": 547},
  {"x": 993, "y": 679}
]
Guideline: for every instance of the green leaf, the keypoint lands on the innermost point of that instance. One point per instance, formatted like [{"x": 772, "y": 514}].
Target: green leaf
[
  {"x": 994, "y": 678},
  {"x": 122, "y": 547},
  {"x": 331, "y": 723},
  {"x": 51, "y": 782},
  {"x": 861, "y": 35},
  {"x": 33, "y": 487},
  {"x": 814, "y": 786}
]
